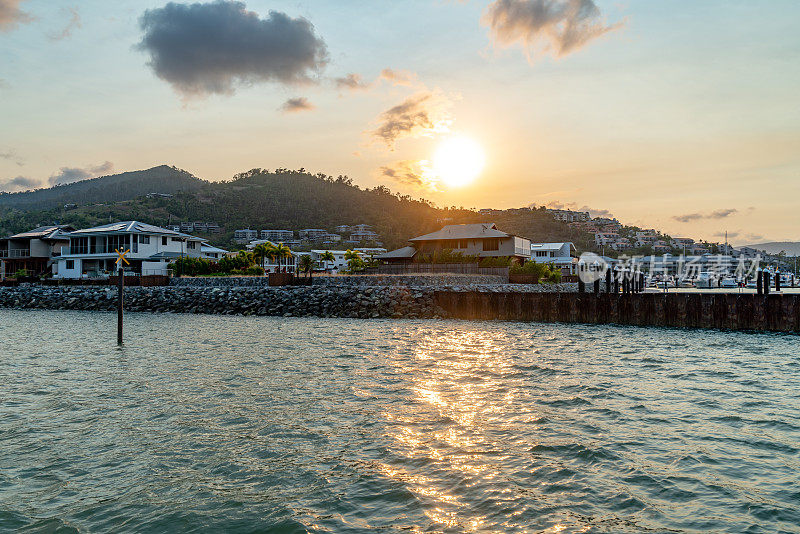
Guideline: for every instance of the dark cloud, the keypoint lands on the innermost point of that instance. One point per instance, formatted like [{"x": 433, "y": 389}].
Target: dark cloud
[
  {"x": 353, "y": 82},
  {"x": 67, "y": 175},
  {"x": 415, "y": 173},
  {"x": 716, "y": 214},
  {"x": 398, "y": 77},
  {"x": 202, "y": 49},
  {"x": 295, "y": 105},
  {"x": 19, "y": 183},
  {"x": 557, "y": 27},
  {"x": 74, "y": 22},
  {"x": 423, "y": 114},
  {"x": 11, "y": 15}
]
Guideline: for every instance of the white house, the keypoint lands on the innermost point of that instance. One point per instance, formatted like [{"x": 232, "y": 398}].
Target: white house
[
  {"x": 92, "y": 251},
  {"x": 339, "y": 263},
  {"x": 287, "y": 264},
  {"x": 559, "y": 254},
  {"x": 211, "y": 252}
]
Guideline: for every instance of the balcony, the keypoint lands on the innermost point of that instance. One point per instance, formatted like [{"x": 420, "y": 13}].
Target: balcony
[{"x": 15, "y": 253}]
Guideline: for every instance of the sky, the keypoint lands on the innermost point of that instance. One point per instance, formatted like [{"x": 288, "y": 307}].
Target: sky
[{"x": 683, "y": 115}]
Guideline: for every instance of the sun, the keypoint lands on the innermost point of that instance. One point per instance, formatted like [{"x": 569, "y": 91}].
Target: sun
[{"x": 458, "y": 161}]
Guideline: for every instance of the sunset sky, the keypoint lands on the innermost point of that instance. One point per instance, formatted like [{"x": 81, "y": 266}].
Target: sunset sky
[{"x": 679, "y": 115}]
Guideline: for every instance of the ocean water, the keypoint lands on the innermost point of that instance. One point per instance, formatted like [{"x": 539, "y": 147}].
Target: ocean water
[{"x": 254, "y": 424}]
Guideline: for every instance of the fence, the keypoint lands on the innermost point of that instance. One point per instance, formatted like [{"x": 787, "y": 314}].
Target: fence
[{"x": 438, "y": 268}]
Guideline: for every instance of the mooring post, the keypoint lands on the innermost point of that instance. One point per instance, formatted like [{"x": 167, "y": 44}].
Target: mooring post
[
  {"x": 759, "y": 282},
  {"x": 766, "y": 282},
  {"x": 608, "y": 279},
  {"x": 597, "y": 287},
  {"x": 120, "y": 292},
  {"x": 777, "y": 282}
]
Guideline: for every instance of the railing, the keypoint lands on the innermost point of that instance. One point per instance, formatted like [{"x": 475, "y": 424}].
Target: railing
[{"x": 15, "y": 253}]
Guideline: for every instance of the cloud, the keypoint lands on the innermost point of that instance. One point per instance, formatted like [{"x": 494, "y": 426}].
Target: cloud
[
  {"x": 11, "y": 155},
  {"x": 414, "y": 173},
  {"x": 721, "y": 214},
  {"x": 352, "y": 81},
  {"x": 203, "y": 49},
  {"x": 67, "y": 175},
  {"x": 730, "y": 235},
  {"x": 11, "y": 15},
  {"x": 421, "y": 115},
  {"x": 716, "y": 214},
  {"x": 19, "y": 183},
  {"x": 295, "y": 105},
  {"x": 558, "y": 27},
  {"x": 74, "y": 22},
  {"x": 597, "y": 212},
  {"x": 398, "y": 77}
]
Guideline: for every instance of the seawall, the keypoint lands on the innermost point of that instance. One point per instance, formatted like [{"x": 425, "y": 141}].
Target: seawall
[
  {"x": 774, "y": 313},
  {"x": 728, "y": 311}
]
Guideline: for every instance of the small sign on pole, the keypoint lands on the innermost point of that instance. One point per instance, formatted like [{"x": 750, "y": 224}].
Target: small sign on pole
[{"x": 120, "y": 291}]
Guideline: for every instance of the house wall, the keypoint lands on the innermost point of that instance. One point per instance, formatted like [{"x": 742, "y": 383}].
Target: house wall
[
  {"x": 507, "y": 246},
  {"x": 39, "y": 248}
]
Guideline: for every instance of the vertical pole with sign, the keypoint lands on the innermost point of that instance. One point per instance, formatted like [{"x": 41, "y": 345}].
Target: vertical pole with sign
[{"x": 120, "y": 291}]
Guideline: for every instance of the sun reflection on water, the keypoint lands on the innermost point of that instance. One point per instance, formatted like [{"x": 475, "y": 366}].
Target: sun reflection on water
[{"x": 463, "y": 384}]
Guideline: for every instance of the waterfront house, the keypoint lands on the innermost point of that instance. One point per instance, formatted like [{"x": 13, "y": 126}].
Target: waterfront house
[
  {"x": 339, "y": 263},
  {"x": 483, "y": 240},
  {"x": 211, "y": 252},
  {"x": 558, "y": 254},
  {"x": 92, "y": 251},
  {"x": 275, "y": 265},
  {"x": 33, "y": 251}
]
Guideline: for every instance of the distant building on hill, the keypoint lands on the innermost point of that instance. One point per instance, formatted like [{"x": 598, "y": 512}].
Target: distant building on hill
[
  {"x": 245, "y": 236},
  {"x": 569, "y": 215},
  {"x": 277, "y": 236}
]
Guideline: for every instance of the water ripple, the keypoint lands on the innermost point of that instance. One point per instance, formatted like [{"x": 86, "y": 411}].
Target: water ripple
[{"x": 206, "y": 424}]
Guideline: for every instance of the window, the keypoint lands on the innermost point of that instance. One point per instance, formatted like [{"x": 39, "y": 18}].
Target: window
[
  {"x": 164, "y": 241},
  {"x": 70, "y": 264},
  {"x": 491, "y": 244},
  {"x": 541, "y": 253},
  {"x": 190, "y": 245},
  {"x": 144, "y": 239},
  {"x": 79, "y": 245}
]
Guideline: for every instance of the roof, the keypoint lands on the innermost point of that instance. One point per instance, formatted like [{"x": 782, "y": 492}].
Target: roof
[
  {"x": 551, "y": 246},
  {"x": 167, "y": 255},
  {"x": 405, "y": 252},
  {"x": 45, "y": 232},
  {"x": 463, "y": 231},
  {"x": 205, "y": 247},
  {"x": 132, "y": 227}
]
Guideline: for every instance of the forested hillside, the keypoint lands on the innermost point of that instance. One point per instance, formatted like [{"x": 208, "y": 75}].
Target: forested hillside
[
  {"x": 114, "y": 188},
  {"x": 281, "y": 199}
]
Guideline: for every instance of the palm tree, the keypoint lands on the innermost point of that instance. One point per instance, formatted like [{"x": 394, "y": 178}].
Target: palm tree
[
  {"x": 307, "y": 264},
  {"x": 261, "y": 252},
  {"x": 354, "y": 261},
  {"x": 326, "y": 257},
  {"x": 281, "y": 252}
]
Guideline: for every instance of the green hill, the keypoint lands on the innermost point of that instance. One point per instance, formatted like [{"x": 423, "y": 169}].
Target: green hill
[
  {"x": 114, "y": 188},
  {"x": 260, "y": 199}
]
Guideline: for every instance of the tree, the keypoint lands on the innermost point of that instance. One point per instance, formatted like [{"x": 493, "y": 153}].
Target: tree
[
  {"x": 354, "y": 261},
  {"x": 326, "y": 257},
  {"x": 282, "y": 252},
  {"x": 306, "y": 264}
]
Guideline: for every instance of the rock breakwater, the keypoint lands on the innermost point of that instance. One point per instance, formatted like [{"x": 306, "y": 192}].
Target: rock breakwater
[{"x": 340, "y": 301}]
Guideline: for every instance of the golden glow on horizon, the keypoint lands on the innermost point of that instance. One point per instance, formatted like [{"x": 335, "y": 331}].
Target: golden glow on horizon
[{"x": 458, "y": 161}]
